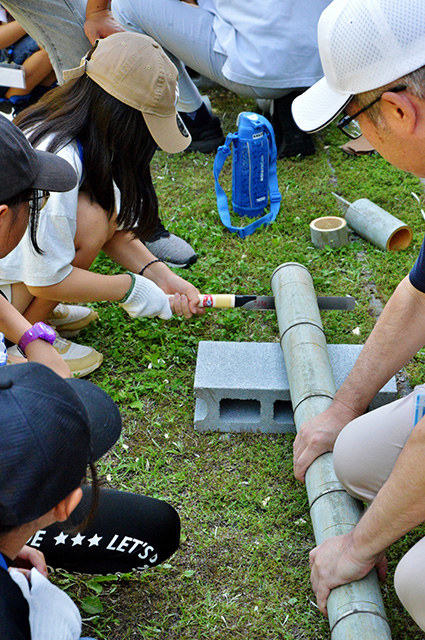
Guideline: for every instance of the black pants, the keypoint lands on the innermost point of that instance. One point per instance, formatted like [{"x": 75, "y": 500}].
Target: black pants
[{"x": 130, "y": 532}]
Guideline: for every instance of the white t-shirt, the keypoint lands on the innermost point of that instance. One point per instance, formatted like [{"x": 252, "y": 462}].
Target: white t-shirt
[
  {"x": 55, "y": 235},
  {"x": 268, "y": 43}
]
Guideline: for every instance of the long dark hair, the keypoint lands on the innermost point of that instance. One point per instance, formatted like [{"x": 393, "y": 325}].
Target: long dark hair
[
  {"x": 29, "y": 195},
  {"x": 116, "y": 142}
]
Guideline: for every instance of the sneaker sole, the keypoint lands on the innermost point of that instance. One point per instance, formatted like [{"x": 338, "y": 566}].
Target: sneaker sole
[
  {"x": 85, "y": 372},
  {"x": 12, "y": 360},
  {"x": 186, "y": 265},
  {"x": 69, "y": 329}
]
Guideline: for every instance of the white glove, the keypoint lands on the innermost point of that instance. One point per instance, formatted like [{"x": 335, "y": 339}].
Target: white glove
[
  {"x": 53, "y": 615},
  {"x": 146, "y": 299}
]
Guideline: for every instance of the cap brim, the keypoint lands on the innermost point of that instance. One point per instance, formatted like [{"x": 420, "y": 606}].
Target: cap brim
[
  {"x": 75, "y": 72},
  {"x": 103, "y": 413},
  {"x": 169, "y": 132},
  {"x": 55, "y": 173},
  {"x": 318, "y": 106}
]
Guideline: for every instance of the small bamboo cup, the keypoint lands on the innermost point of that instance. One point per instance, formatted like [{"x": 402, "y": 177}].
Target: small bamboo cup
[{"x": 329, "y": 230}]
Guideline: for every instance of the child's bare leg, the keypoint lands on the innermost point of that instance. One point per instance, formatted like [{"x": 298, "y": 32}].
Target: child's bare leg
[
  {"x": 93, "y": 230},
  {"x": 21, "y": 297},
  {"x": 37, "y": 69},
  {"x": 126, "y": 250},
  {"x": 33, "y": 309}
]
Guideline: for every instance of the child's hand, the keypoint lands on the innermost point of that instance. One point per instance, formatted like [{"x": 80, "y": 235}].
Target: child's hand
[
  {"x": 27, "y": 558},
  {"x": 184, "y": 297},
  {"x": 146, "y": 300},
  {"x": 180, "y": 305},
  {"x": 43, "y": 352}
]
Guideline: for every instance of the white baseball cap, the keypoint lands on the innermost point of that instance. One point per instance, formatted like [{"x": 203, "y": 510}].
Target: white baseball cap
[{"x": 363, "y": 45}]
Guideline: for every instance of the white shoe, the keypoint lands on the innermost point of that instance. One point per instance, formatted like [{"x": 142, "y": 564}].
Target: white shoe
[
  {"x": 80, "y": 359},
  {"x": 69, "y": 319}
]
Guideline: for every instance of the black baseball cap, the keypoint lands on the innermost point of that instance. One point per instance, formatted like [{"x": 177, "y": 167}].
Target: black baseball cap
[
  {"x": 23, "y": 167},
  {"x": 51, "y": 428}
]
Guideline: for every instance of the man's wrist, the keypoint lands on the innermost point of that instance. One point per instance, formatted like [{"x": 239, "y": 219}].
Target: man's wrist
[
  {"x": 96, "y": 6},
  {"x": 362, "y": 544}
]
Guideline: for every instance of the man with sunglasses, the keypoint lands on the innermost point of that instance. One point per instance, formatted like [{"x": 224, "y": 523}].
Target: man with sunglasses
[{"x": 373, "y": 57}]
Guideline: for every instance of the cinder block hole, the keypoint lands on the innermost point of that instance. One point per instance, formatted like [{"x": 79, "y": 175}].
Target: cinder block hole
[
  {"x": 282, "y": 411},
  {"x": 240, "y": 410}
]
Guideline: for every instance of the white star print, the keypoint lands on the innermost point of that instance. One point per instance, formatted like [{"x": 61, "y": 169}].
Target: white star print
[
  {"x": 78, "y": 539},
  {"x": 95, "y": 540},
  {"x": 60, "y": 539}
]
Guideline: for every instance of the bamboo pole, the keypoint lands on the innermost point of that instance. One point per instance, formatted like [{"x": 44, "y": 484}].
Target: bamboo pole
[{"x": 355, "y": 610}]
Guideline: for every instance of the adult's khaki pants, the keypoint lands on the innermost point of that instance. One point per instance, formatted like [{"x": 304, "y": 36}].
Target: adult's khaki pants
[{"x": 364, "y": 455}]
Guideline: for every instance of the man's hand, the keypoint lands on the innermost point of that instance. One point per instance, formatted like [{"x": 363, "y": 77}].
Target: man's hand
[
  {"x": 335, "y": 562},
  {"x": 27, "y": 558},
  {"x": 318, "y": 435},
  {"x": 99, "y": 21}
]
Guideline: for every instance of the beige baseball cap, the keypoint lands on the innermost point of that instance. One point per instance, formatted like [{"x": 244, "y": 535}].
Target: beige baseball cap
[{"x": 134, "y": 69}]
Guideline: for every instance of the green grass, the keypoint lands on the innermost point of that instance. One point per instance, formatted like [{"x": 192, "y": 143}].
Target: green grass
[{"x": 242, "y": 567}]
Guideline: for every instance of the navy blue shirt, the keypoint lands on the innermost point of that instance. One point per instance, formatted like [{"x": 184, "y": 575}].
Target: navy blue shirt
[
  {"x": 417, "y": 274},
  {"x": 14, "y": 610}
]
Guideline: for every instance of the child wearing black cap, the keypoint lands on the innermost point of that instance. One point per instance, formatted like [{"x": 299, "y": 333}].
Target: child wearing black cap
[
  {"x": 52, "y": 430},
  {"x": 25, "y": 176}
]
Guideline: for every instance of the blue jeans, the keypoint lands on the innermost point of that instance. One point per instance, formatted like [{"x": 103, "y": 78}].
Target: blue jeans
[
  {"x": 21, "y": 50},
  {"x": 57, "y": 26}
]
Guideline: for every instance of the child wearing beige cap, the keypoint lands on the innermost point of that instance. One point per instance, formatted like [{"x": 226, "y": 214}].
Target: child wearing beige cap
[{"x": 106, "y": 121}]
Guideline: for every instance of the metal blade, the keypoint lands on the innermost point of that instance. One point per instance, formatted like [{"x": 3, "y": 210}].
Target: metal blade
[{"x": 325, "y": 303}]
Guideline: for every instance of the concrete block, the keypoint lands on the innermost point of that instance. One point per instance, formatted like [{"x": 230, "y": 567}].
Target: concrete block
[{"x": 243, "y": 386}]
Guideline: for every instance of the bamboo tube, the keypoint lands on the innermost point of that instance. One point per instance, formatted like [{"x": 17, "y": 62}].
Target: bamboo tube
[
  {"x": 329, "y": 230},
  {"x": 355, "y": 610},
  {"x": 377, "y": 225}
]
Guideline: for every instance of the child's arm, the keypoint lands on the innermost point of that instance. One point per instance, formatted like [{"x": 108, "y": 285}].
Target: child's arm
[
  {"x": 132, "y": 254},
  {"x": 10, "y": 32},
  {"x": 14, "y": 325},
  {"x": 85, "y": 286},
  {"x": 138, "y": 295}
]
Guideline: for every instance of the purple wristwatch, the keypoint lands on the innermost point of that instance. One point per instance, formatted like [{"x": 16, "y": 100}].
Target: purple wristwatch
[{"x": 38, "y": 330}]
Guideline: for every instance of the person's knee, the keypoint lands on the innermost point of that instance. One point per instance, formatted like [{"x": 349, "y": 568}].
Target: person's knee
[
  {"x": 351, "y": 462},
  {"x": 345, "y": 457},
  {"x": 168, "y": 527},
  {"x": 93, "y": 229},
  {"x": 410, "y": 586}
]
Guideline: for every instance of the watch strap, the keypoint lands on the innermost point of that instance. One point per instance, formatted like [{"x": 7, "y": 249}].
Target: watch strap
[{"x": 39, "y": 330}]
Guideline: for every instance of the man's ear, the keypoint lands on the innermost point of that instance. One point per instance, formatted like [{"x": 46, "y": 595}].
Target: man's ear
[
  {"x": 400, "y": 112},
  {"x": 63, "y": 510},
  {"x": 3, "y": 209}
]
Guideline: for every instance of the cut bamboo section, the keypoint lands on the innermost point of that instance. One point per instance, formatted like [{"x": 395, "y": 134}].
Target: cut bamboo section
[
  {"x": 377, "y": 225},
  {"x": 329, "y": 230},
  {"x": 355, "y": 610}
]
